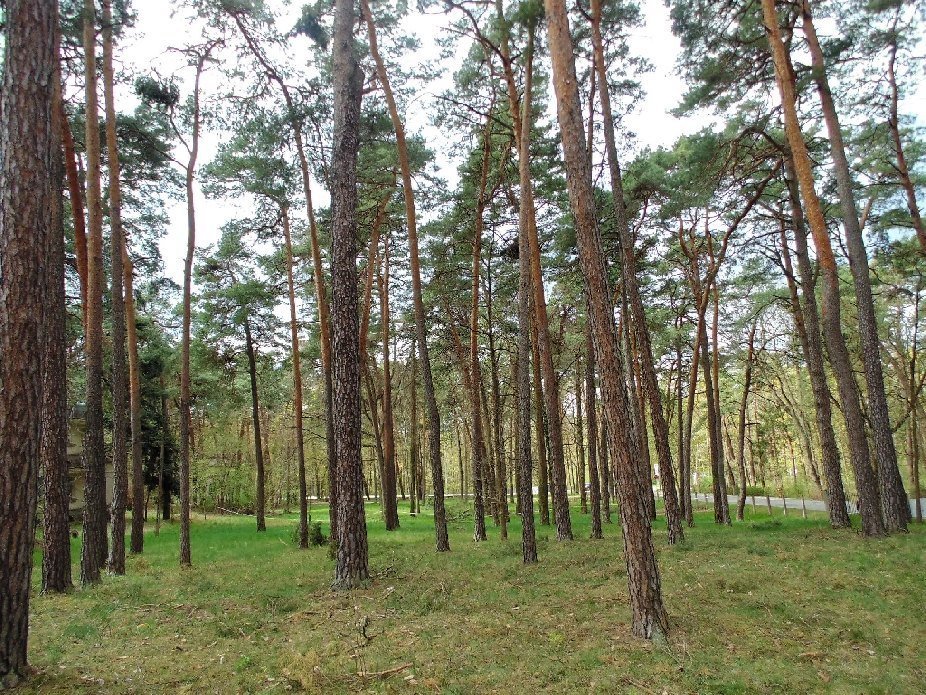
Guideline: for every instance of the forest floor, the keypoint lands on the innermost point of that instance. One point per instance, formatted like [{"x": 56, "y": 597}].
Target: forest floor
[{"x": 770, "y": 605}]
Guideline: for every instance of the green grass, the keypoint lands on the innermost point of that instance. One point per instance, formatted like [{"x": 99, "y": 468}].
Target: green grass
[{"x": 771, "y": 605}]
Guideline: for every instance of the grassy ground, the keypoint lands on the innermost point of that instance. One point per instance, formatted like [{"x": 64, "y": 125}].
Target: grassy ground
[{"x": 772, "y": 605}]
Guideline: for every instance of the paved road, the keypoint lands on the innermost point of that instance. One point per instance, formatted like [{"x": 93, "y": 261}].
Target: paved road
[{"x": 793, "y": 502}]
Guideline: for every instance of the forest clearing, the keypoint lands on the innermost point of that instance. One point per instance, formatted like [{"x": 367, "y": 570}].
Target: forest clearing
[
  {"x": 462, "y": 346},
  {"x": 779, "y": 604}
]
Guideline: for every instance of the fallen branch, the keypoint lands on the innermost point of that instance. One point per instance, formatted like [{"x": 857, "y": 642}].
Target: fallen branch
[{"x": 383, "y": 674}]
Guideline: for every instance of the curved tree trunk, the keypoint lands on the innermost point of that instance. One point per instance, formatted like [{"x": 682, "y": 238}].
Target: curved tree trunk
[
  {"x": 650, "y": 383},
  {"x": 433, "y": 415},
  {"x": 318, "y": 278},
  {"x": 865, "y": 480},
  {"x": 741, "y": 421},
  {"x": 185, "y": 436},
  {"x": 807, "y": 321},
  {"x": 894, "y": 505},
  {"x": 527, "y": 209}
]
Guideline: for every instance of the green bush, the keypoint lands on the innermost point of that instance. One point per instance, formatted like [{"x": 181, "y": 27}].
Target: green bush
[{"x": 316, "y": 537}]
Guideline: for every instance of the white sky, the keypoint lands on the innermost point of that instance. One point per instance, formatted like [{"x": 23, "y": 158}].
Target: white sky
[{"x": 145, "y": 47}]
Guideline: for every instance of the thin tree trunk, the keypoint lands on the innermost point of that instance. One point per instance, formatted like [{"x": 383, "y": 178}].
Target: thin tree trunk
[
  {"x": 297, "y": 383},
  {"x": 437, "y": 473},
  {"x": 413, "y": 433},
  {"x": 75, "y": 193},
  {"x": 479, "y": 458},
  {"x": 741, "y": 420},
  {"x": 637, "y": 317},
  {"x": 259, "y": 510},
  {"x": 606, "y": 481},
  {"x": 540, "y": 425},
  {"x": 592, "y": 421},
  {"x": 580, "y": 442},
  {"x": 138, "y": 475},
  {"x": 807, "y": 321},
  {"x": 185, "y": 416},
  {"x": 865, "y": 480},
  {"x": 390, "y": 502},
  {"x": 94, "y": 550},
  {"x": 116, "y": 561},
  {"x": 525, "y": 478},
  {"x": 649, "y": 619},
  {"x": 903, "y": 171},
  {"x": 894, "y": 505},
  {"x": 527, "y": 209},
  {"x": 352, "y": 562},
  {"x": 318, "y": 278}
]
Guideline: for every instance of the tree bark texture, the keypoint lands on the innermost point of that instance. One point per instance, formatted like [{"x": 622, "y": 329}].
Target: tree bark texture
[
  {"x": 56, "y": 547},
  {"x": 351, "y": 569},
  {"x": 27, "y": 188},
  {"x": 865, "y": 479},
  {"x": 807, "y": 321},
  {"x": 93, "y": 552},
  {"x": 120, "y": 375},
  {"x": 894, "y": 505},
  {"x": 649, "y": 618}
]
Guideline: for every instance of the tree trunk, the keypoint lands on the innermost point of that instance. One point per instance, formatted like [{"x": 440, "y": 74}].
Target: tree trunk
[
  {"x": 28, "y": 188},
  {"x": 318, "y": 278},
  {"x": 259, "y": 510},
  {"x": 865, "y": 480},
  {"x": 75, "y": 192},
  {"x": 478, "y": 443},
  {"x": 527, "y": 209},
  {"x": 580, "y": 442},
  {"x": 116, "y": 562},
  {"x": 894, "y": 505},
  {"x": 56, "y": 547},
  {"x": 606, "y": 481},
  {"x": 93, "y": 553},
  {"x": 390, "y": 502},
  {"x": 138, "y": 475},
  {"x": 741, "y": 421},
  {"x": 540, "y": 425},
  {"x": 903, "y": 171},
  {"x": 437, "y": 472},
  {"x": 637, "y": 316},
  {"x": 592, "y": 421},
  {"x": 525, "y": 477},
  {"x": 807, "y": 322},
  {"x": 413, "y": 434},
  {"x": 497, "y": 408},
  {"x": 649, "y": 619},
  {"x": 185, "y": 555},
  {"x": 352, "y": 564},
  {"x": 297, "y": 383}
]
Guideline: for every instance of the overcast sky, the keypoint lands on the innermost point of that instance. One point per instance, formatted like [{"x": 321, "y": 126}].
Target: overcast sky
[{"x": 651, "y": 121}]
